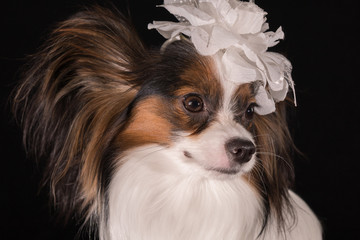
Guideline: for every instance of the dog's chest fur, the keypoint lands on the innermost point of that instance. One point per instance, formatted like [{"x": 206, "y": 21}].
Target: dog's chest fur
[{"x": 147, "y": 202}]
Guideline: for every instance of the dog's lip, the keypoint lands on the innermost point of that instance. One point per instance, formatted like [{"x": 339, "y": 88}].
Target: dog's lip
[{"x": 229, "y": 171}]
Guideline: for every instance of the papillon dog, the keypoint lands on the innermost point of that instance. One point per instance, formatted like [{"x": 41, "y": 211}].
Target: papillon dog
[{"x": 149, "y": 144}]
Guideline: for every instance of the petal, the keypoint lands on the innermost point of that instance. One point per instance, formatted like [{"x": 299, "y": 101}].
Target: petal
[
  {"x": 265, "y": 27},
  {"x": 275, "y": 67},
  {"x": 253, "y": 57},
  {"x": 250, "y": 18},
  {"x": 256, "y": 42},
  {"x": 208, "y": 40},
  {"x": 265, "y": 102},
  {"x": 281, "y": 94},
  {"x": 226, "y": 12},
  {"x": 279, "y": 75},
  {"x": 221, "y": 38},
  {"x": 170, "y": 29},
  {"x": 194, "y": 15},
  {"x": 200, "y": 38},
  {"x": 237, "y": 69},
  {"x": 274, "y": 37}
]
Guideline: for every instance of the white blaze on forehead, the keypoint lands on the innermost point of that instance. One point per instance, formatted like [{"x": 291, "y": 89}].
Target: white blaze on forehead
[
  {"x": 229, "y": 77},
  {"x": 233, "y": 70}
]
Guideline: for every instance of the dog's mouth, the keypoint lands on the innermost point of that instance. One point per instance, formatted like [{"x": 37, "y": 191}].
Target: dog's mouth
[
  {"x": 231, "y": 170},
  {"x": 225, "y": 171}
]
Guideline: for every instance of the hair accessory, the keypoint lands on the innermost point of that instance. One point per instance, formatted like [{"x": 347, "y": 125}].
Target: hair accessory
[{"x": 236, "y": 33}]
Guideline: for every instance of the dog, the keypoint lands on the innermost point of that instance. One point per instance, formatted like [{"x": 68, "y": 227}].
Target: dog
[{"x": 156, "y": 144}]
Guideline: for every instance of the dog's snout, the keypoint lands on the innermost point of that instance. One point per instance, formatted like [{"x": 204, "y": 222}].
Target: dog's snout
[{"x": 239, "y": 150}]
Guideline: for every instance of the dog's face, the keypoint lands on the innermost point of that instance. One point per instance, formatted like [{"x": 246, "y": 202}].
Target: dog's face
[{"x": 206, "y": 120}]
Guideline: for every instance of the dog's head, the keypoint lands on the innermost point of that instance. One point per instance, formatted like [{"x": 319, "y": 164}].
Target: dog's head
[{"x": 95, "y": 93}]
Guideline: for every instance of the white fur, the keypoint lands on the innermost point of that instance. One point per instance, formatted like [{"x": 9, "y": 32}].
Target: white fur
[
  {"x": 154, "y": 194},
  {"x": 208, "y": 148},
  {"x": 305, "y": 227}
]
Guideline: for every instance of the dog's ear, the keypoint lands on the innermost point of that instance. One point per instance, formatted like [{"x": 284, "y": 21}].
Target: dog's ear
[
  {"x": 273, "y": 174},
  {"x": 73, "y": 97}
]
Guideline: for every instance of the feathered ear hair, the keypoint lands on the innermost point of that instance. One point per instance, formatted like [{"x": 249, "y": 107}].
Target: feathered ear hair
[
  {"x": 72, "y": 101},
  {"x": 273, "y": 174}
]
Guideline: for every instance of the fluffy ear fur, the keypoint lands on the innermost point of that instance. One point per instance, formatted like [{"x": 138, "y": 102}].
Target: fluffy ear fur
[
  {"x": 273, "y": 174},
  {"x": 72, "y": 101}
]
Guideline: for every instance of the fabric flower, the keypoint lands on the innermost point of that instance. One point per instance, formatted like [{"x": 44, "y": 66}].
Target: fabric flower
[{"x": 237, "y": 33}]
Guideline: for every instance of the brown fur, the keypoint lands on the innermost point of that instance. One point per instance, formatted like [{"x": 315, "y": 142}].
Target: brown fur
[
  {"x": 146, "y": 125},
  {"x": 75, "y": 89},
  {"x": 273, "y": 174}
]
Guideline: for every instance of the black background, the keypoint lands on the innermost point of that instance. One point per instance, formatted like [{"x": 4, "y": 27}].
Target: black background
[{"x": 322, "y": 42}]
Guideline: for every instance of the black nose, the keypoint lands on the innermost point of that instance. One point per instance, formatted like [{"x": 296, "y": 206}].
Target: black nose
[{"x": 239, "y": 150}]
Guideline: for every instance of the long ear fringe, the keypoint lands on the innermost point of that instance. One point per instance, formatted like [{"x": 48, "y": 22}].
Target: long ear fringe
[
  {"x": 73, "y": 94},
  {"x": 274, "y": 173}
]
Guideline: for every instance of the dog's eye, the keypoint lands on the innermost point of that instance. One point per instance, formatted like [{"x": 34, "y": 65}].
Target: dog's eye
[
  {"x": 249, "y": 114},
  {"x": 193, "y": 103}
]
